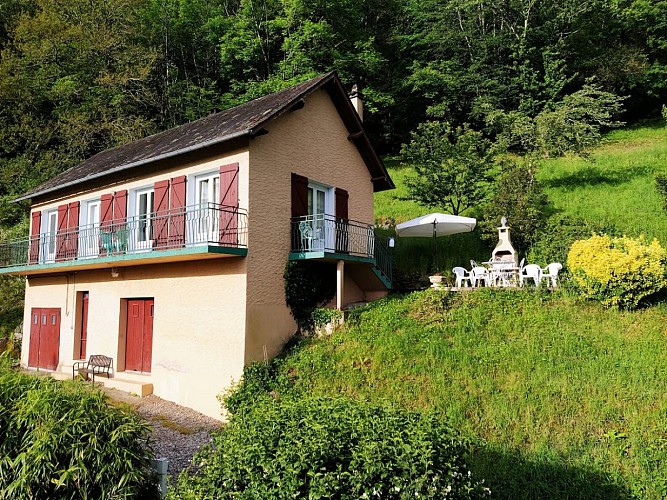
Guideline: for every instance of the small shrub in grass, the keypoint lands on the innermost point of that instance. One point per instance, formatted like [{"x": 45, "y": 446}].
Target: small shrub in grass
[
  {"x": 64, "y": 441},
  {"x": 619, "y": 272},
  {"x": 331, "y": 448}
]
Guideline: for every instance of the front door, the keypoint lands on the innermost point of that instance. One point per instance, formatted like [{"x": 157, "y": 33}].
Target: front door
[
  {"x": 139, "y": 346},
  {"x": 44, "y": 338}
]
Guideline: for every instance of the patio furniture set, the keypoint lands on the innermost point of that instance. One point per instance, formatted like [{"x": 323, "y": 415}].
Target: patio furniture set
[{"x": 504, "y": 273}]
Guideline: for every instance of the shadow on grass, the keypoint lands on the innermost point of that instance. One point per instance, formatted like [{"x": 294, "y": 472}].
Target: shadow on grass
[
  {"x": 516, "y": 477},
  {"x": 592, "y": 176}
]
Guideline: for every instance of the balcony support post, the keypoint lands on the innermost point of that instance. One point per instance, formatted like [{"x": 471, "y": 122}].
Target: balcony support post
[{"x": 340, "y": 281}]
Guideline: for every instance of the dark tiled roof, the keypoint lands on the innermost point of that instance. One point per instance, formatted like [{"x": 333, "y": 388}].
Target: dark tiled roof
[{"x": 243, "y": 120}]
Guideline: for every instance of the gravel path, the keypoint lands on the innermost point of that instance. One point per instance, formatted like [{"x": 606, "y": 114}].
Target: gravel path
[{"x": 178, "y": 432}]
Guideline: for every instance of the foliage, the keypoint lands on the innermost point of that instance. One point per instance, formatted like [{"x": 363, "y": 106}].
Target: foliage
[
  {"x": 661, "y": 187},
  {"x": 452, "y": 166},
  {"x": 323, "y": 316},
  {"x": 558, "y": 235},
  {"x": 308, "y": 285},
  {"x": 571, "y": 125},
  {"x": 519, "y": 196},
  {"x": 64, "y": 441},
  {"x": 533, "y": 379},
  {"x": 619, "y": 272},
  {"x": 320, "y": 447}
]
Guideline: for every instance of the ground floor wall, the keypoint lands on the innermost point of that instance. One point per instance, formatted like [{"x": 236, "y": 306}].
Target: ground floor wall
[{"x": 198, "y": 326}]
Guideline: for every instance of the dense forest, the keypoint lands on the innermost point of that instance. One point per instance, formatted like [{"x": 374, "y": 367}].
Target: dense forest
[{"x": 80, "y": 76}]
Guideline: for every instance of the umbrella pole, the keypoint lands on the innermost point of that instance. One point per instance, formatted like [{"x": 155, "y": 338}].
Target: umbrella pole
[{"x": 435, "y": 238}]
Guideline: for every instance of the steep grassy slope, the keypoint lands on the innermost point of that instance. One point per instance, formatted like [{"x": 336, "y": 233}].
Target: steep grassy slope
[
  {"x": 616, "y": 185},
  {"x": 564, "y": 399}
]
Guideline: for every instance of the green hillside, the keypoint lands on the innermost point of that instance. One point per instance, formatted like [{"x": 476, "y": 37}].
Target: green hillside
[{"x": 561, "y": 398}]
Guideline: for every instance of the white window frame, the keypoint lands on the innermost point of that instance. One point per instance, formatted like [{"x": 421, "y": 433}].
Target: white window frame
[
  {"x": 142, "y": 238},
  {"x": 89, "y": 245},
  {"x": 324, "y": 228},
  {"x": 48, "y": 231},
  {"x": 207, "y": 221}
]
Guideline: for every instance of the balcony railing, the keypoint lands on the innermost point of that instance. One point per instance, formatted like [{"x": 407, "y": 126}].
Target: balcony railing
[
  {"x": 196, "y": 225},
  {"x": 326, "y": 233}
]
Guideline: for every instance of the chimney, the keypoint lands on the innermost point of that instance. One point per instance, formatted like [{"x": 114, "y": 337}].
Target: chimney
[{"x": 355, "y": 97}]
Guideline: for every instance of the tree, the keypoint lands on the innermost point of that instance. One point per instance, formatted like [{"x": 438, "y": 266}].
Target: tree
[
  {"x": 453, "y": 166},
  {"x": 519, "y": 196}
]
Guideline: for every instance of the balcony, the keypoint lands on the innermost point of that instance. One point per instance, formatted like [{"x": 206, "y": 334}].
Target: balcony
[
  {"x": 325, "y": 237},
  {"x": 194, "y": 232}
]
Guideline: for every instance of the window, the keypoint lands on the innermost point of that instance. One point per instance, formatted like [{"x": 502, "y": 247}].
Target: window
[
  {"x": 90, "y": 229},
  {"x": 144, "y": 213},
  {"x": 49, "y": 230},
  {"x": 207, "y": 193},
  {"x": 320, "y": 210}
]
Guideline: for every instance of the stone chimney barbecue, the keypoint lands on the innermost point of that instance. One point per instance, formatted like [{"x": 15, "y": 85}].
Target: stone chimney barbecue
[
  {"x": 504, "y": 250},
  {"x": 355, "y": 97}
]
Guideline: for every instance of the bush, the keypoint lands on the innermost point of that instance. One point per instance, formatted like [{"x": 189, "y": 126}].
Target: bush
[
  {"x": 619, "y": 272},
  {"x": 558, "y": 235},
  {"x": 308, "y": 285},
  {"x": 330, "y": 448},
  {"x": 64, "y": 441}
]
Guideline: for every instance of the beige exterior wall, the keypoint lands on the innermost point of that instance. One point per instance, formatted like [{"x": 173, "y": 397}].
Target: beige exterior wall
[
  {"x": 198, "y": 329},
  {"x": 311, "y": 142}
]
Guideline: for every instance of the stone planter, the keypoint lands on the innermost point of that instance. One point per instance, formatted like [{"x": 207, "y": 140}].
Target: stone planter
[{"x": 436, "y": 281}]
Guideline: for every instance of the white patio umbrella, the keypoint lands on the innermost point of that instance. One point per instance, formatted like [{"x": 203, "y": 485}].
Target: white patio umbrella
[{"x": 434, "y": 225}]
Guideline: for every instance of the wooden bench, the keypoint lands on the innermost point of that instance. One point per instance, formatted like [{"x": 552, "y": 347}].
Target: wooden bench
[{"x": 97, "y": 364}]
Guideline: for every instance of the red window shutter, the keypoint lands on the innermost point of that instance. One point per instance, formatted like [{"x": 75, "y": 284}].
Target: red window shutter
[
  {"x": 106, "y": 216},
  {"x": 342, "y": 226},
  {"x": 177, "y": 212},
  {"x": 120, "y": 208},
  {"x": 35, "y": 227},
  {"x": 61, "y": 232},
  {"x": 229, "y": 204},
  {"x": 299, "y": 195},
  {"x": 299, "y": 205},
  {"x": 106, "y": 211},
  {"x": 161, "y": 207},
  {"x": 73, "y": 230}
]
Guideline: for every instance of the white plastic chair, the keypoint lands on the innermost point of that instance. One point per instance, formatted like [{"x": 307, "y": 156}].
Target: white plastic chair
[
  {"x": 462, "y": 276},
  {"x": 530, "y": 271},
  {"x": 477, "y": 274},
  {"x": 551, "y": 273}
]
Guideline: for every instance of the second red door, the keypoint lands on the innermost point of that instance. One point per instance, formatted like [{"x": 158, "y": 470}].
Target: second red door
[{"x": 139, "y": 346}]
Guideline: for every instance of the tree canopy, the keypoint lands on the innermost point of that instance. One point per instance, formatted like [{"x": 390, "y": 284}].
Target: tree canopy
[{"x": 79, "y": 76}]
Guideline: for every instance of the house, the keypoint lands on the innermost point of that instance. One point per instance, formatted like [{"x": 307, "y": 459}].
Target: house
[{"x": 168, "y": 254}]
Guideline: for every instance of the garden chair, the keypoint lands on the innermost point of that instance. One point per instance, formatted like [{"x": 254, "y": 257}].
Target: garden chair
[
  {"x": 530, "y": 271},
  {"x": 462, "y": 276},
  {"x": 106, "y": 242},
  {"x": 551, "y": 273},
  {"x": 479, "y": 274},
  {"x": 306, "y": 231}
]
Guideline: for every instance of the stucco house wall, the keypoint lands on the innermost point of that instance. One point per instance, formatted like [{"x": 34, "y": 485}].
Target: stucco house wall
[{"x": 311, "y": 142}]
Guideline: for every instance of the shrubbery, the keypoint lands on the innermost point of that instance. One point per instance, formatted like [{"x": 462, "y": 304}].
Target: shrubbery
[
  {"x": 619, "y": 272},
  {"x": 308, "y": 285},
  {"x": 314, "y": 447},
  {"x": 64, "y": 441}
]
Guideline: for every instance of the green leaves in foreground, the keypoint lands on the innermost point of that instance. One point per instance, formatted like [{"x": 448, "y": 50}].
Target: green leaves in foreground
[
  {"x": 64, "y": 441},
  {"x": 317, "y": 447}
]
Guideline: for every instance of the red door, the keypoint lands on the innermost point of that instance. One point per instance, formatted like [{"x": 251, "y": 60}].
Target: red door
[
  {"x": 44, "y": 338},
  {"x": 84, "y": 326},
  {"x": 139, "y": 345}
]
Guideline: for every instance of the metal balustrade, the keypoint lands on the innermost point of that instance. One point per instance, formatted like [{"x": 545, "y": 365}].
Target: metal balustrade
[
  {"x": 208, "y": 224},
  {"x": 326, "y": 233}
]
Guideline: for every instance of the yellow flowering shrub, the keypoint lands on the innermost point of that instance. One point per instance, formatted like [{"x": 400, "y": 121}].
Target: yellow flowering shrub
[{"x": 619, "y": 272}]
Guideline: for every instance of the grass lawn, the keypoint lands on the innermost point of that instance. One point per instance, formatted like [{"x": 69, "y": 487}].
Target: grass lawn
[
  {"x": 563, "y": 399},
  {"x": 616, "y": 185}
]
